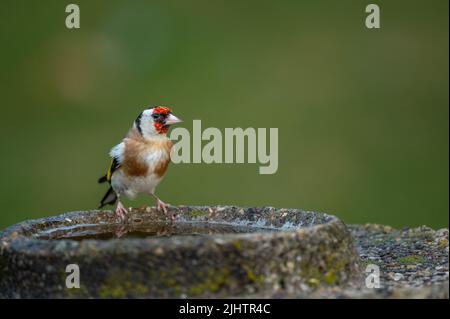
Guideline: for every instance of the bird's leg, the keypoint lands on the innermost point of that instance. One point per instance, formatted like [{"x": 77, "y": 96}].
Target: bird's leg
[
  {"x": 161, "y": 206},
  {"x": 121, "y": 211}
]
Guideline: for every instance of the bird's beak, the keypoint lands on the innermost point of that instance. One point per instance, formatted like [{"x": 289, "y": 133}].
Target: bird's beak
[{"x": 172, "y": 119}]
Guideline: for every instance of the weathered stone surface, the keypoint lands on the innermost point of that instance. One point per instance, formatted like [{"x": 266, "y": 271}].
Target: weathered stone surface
[
  {"x": 308, "y": 250},
  {"x": 413, "y": 263},
  {"x": 309, "y": 255}
]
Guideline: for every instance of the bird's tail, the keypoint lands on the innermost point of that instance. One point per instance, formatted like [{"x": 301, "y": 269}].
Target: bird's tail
[
  {"x": 102, "y": 179},
  {"x": 109, "y": 198}
]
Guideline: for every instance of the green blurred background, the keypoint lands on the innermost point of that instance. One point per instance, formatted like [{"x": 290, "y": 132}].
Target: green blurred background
[{"x": 362, "y": 114}]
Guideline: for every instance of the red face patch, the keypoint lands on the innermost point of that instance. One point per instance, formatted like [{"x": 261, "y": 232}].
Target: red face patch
[
  {"x": 161, "y": 128},
  {"x": 162, "y": 110}
]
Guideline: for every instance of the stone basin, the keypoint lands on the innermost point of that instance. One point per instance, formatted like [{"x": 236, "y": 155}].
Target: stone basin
[{"x": 217, "y": 251}]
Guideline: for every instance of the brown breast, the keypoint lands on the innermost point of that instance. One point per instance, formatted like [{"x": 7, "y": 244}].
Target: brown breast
[{"x": 135, "y": 148}]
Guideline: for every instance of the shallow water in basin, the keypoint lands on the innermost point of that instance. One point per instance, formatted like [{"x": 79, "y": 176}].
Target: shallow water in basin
[{"x": 110, "y": 231}]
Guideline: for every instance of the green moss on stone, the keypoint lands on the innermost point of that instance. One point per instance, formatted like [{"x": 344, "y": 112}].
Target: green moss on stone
[
  {"x": 197, "y": 213},
  {"x": 111, "y": 292},
  {"x": 122, "y": 290},
  {"x": 330, "y": 277},
  {"x": 443, "y": 243},
  {"x": 214, "y": 280},
  {"x": 237, "y": 244},
  {"x": 411, "y": 260},
  {"x": 313, "y": 282},
  {"x": 328, "y": 273},
  {"x": 121, "y": 286},
  {"x": 81, "y": 292},
  {"x": 254, "y": 277}
]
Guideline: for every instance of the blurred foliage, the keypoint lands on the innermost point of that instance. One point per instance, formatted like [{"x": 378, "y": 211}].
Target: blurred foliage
[{"x": 362, "y": 114}]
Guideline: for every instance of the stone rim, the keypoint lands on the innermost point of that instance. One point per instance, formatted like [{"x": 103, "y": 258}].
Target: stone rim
[
  {"x": 22, "y": 231},
  {"x": 320, "y": 230}
]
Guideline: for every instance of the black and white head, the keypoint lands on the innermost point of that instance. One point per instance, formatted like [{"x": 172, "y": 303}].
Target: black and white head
[{"x": 155, "y": 121}]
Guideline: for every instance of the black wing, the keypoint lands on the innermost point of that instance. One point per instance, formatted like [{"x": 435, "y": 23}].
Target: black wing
[{"x": 112, "y": 168}]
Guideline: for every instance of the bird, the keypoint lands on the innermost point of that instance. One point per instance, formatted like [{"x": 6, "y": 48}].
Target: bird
[{"x": 139, "y": 162}]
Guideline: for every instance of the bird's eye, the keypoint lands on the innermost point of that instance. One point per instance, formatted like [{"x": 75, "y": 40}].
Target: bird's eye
[{"x": 155, "y": 116}]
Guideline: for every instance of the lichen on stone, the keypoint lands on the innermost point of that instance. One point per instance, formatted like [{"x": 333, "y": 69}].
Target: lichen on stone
[
  {"x": 213, "y": 280},
  {"x": 411, "y": 260}
]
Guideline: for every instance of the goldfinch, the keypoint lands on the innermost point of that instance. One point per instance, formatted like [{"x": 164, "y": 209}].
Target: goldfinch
[{"x": 140, "y": 161}]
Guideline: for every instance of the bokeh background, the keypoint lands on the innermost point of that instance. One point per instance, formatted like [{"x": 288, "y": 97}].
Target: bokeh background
[{"x": 362, "y": 114}]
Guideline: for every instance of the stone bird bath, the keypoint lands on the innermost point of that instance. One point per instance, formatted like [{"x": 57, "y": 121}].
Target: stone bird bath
[{"x": 220, "y": 251}]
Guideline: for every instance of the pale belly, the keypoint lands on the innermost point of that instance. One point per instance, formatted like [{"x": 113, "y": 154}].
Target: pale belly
[
  {"x": 131, "y": 182},
  {"x": 132, "y": 186}
]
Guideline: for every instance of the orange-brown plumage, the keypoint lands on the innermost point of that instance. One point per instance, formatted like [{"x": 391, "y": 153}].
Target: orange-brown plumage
[
  {"x": 135, "y": 146},
  {"x": 161, "y": 168}
]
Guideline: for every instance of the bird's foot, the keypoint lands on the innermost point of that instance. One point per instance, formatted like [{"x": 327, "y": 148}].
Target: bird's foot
[
  {"x": 121, "y": 211},
  {"x": 161, "y": 206}
]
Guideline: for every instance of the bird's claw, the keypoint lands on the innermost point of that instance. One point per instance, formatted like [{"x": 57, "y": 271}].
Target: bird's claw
[
  {"x": 161, "y": 206},
  {"x": 121, "y": 212}
]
